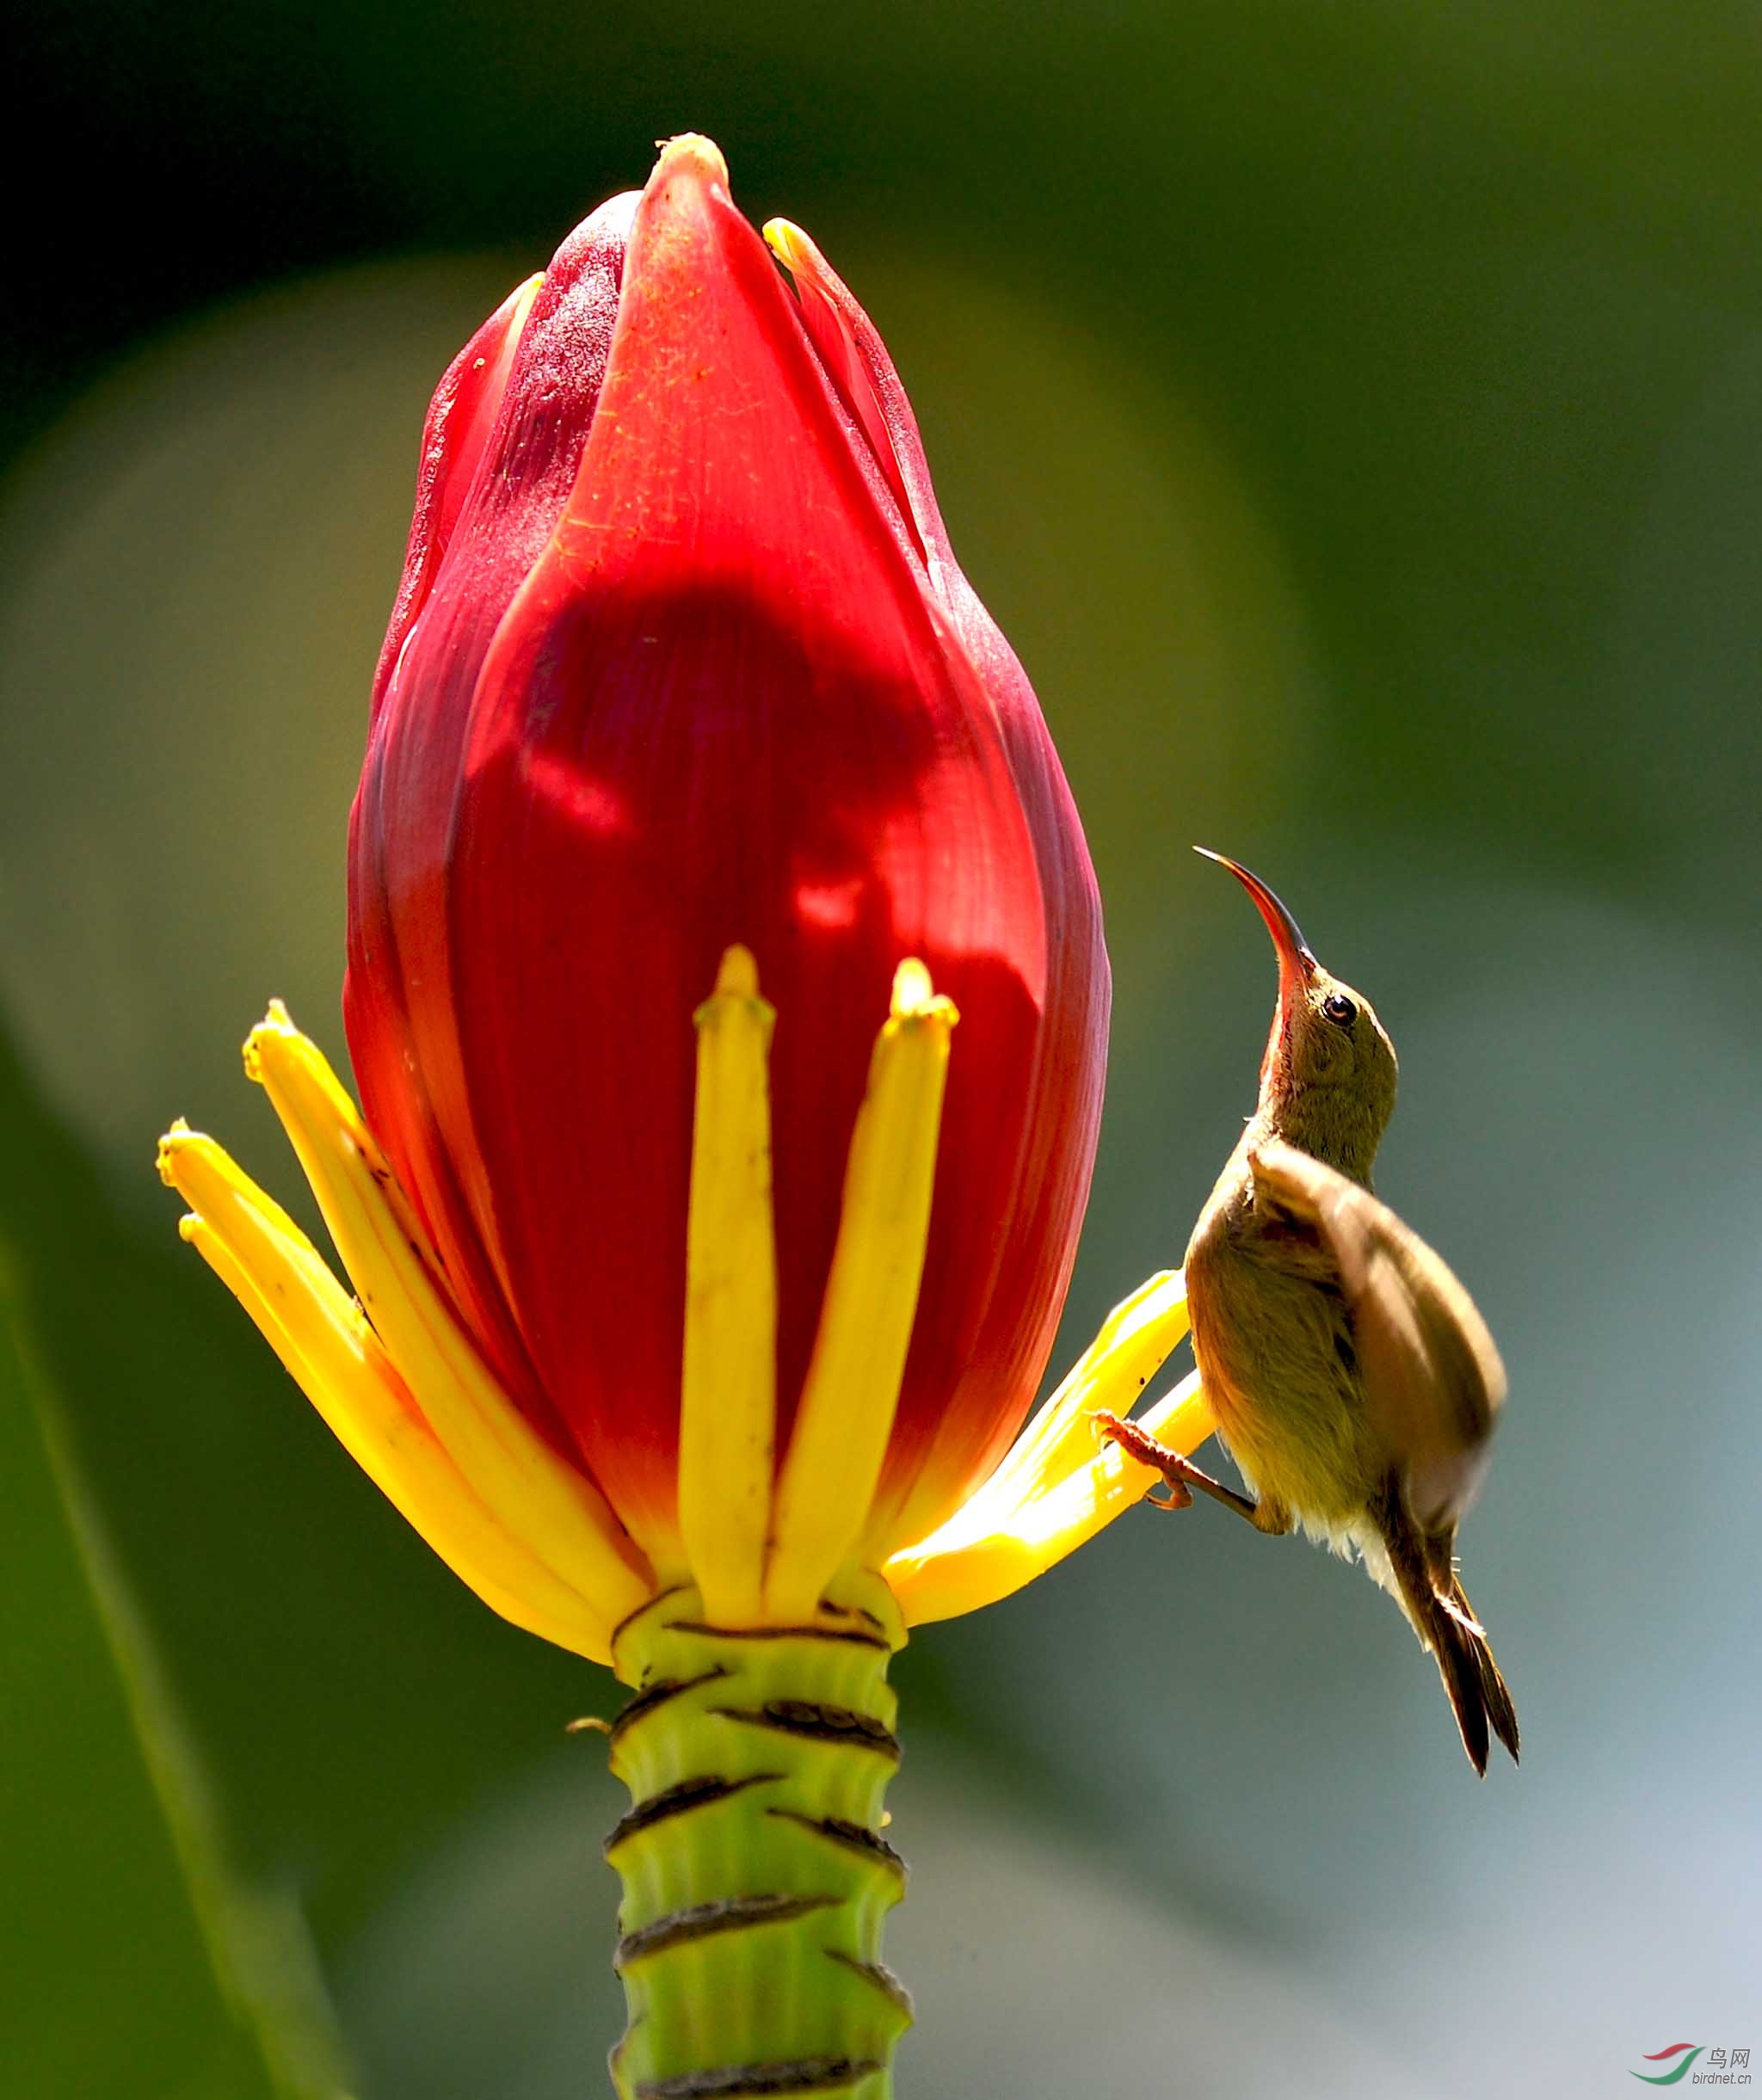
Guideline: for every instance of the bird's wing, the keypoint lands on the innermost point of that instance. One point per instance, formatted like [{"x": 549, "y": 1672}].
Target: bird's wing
[{"x": 1432, "y": 1379}]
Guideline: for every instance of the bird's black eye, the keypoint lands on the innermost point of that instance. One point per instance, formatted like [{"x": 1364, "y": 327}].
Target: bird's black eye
[{"x": 1340, "y": 1009}]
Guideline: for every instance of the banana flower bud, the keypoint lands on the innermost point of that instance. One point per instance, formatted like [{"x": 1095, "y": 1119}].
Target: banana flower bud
[
  {"x": 679, "y": 662},
  {"x": 697, "y": 1252}
]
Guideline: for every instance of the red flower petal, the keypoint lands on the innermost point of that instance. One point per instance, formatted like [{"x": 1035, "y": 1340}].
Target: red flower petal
[
  {"x": 1065, "y": 1098},
  {"x": 501, "y": 451}
]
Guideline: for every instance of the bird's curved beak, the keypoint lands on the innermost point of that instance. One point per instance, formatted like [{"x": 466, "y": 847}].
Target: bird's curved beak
[{"x": 1296, "y": 959}]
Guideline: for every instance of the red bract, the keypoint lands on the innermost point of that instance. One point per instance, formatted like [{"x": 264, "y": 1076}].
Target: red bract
[{"x": 681, "y": 660}]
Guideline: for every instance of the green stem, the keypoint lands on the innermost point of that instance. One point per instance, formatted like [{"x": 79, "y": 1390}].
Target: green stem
[{"x": 756, "y": 1876}]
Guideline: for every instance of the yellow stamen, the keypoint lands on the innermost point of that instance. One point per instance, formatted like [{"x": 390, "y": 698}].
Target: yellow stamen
[
  {"x": 1055, "y": 1489},
  {"x": 728, "y": 1407},
  {"x": 530, "y": 1491},
  {"x": 334, "y": 1355},
  {"x": 1182, "y": 1419},
  {"x": 1132, "y": 1344},
  {"x": 852, "y": 1388}
]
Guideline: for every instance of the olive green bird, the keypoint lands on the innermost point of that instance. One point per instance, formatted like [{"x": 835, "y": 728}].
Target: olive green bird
[{"x": 1354, "y": 1383}]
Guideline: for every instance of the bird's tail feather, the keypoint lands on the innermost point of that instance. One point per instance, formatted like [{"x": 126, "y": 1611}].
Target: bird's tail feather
[
  {"x": 1469, "y": 1638},
  {"x": 1445, "y": 1620}
]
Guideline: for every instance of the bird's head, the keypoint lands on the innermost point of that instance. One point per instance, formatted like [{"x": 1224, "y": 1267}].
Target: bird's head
[{"x": 1328, "y": 1080}]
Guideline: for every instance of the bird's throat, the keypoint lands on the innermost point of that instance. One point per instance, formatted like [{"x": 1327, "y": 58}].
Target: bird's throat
[{"x": 1328, "y": 1123}]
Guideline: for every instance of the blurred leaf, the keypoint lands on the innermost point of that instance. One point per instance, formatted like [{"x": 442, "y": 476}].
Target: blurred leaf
[{"x": 135, "y": 1961}]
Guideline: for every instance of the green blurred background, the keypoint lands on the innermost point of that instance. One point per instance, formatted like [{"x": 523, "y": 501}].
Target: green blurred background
[{"x": 1353, "y": 413}]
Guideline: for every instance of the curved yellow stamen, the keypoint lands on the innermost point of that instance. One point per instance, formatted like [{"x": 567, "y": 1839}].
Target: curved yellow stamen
[
  {"x": 728, "y": 1405},
  {"x": 852, "y": 1389},
  {"x": 530, "y": 1491},
  {"x": 1054, "y": 1488},
  {"x": 1182, "y": 1419},
  {"x": 1131, "y": 1346},
  {"x": 333, "y": 1355}
]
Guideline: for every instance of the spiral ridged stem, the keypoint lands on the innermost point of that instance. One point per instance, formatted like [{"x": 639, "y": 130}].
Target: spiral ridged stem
[{"x": 756, "y": 1876}]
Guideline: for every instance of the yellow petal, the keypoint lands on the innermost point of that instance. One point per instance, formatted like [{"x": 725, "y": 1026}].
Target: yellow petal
[
  {"x": 333, "y": 1355},
  {"x": 1182, "y": 1419},
  {"x": 852, "y": 1388},
  {"x": 728, "y": 1406},
  {"x": 1134, "y": 1342},
  {"x": 1056, "y": 1488},
  {"x": 537, "y": 1497}
]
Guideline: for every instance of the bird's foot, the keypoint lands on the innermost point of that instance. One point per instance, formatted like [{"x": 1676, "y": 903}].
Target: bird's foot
[
  {"x": 1140, "y": 1444},
  {"x": 1180, "y": 1476}
]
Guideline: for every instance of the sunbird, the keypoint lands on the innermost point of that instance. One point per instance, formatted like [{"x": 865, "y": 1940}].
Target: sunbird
[{"x": 1354, "y": 1381}]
